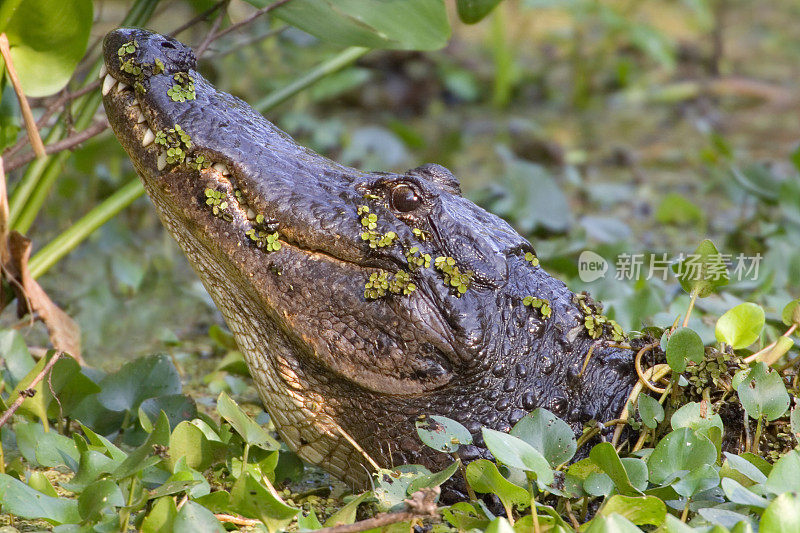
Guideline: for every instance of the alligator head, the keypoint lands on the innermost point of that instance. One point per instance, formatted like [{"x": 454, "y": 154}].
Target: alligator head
[{"x": 360, "y": 300}]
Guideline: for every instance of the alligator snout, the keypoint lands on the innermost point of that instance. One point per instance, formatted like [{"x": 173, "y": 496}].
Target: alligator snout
[{"x": 131, "y": 53}]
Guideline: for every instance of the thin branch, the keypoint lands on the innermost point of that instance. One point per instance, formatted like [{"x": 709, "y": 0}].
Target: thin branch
[
  {"x": 237, "y": 520},
  {"x": 30, "y": 123},
  {"x": 199, "y": 18},
  {"x": 66, "y": 143},
  {"x": 210, "y": 35},
  {"x": 249, "y": 19},
  {"x": 420, "y": 505},
  {"x": 29, "y": 392}
]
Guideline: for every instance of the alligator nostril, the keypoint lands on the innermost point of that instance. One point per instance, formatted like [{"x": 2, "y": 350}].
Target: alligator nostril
[{"x": 167, "y": 44}]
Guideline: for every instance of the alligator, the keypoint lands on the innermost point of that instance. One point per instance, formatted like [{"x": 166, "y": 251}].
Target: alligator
[{"x": 360, "y": 300}]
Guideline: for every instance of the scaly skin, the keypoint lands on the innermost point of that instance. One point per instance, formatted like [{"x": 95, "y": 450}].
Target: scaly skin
[{"x": 328, "y": 356}]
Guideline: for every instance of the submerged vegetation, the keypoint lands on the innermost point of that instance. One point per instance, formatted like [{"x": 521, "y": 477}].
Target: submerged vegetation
[{"x": 616, "y": 135}]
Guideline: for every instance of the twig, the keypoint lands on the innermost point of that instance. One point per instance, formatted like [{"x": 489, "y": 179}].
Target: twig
[
  {"x": 4, "y": 225},
  {"x": 29, "y": 392},
  {"x": 421, "y": 505},
  {"x": 210, "y": 35},
  {"x": 66, "y": 143},
  {"x": 655, "y": 373},
  {"x": 638, "y": 364},
  {"x": 237, "y": 520},
  {"x": 30, "y": 123},
  {"x": 355, "y": 445},
  {"x": 199, "y": 18},
  {"x": 249, "y": 19},
  {"x": 571, "y": 516}
]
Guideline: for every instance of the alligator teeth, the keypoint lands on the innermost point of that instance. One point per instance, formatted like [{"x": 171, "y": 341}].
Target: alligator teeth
[
  {"x": 139, "y": 115},
  {"x": 162, "y": 160},
  {"x": 108, "y": 84},
  {"x": 222, "y": 168},
  {"x": 251, "y": 215},
  {"x": 122, "y": 86},
  {"x": 148, "y": 138},
  {"x": 103, "y": 71}
]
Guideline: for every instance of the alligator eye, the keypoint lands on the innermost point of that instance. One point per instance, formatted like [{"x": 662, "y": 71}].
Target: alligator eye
[{"x": 404, "y": 199}]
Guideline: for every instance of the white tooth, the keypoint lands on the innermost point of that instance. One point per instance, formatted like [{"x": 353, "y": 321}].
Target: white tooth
[
  {"x": 108, "y": 84},
  {"x": 223, "y": 168},
  {"x": 162, "y": 161},
  {"x": 139, "y": 116},
  {"x": 148, "y": 138},
  {"x": 103, "y": 71},
  {"x": 122, "y": 87},
  {"x": 251, "y": 215}
]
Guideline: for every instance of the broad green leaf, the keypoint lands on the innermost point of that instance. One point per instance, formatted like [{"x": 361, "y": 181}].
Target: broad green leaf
[
  {"x": 499, "y": 525},
  {"x": 442, "y": 433},
  {"x": 741, "y": 326},
  {"x": 161, "y": 518},
  {"x": 547, "y": 433},
  {"x": 92, "y": 465},
  {"x": 472, "y": 11},
  {"x": 791, "y": 313},
  {"x": 785, "y": 474},
  {"x": 395, "y": 24},
  {"x": 782, "y": 515},
  {"x": 681, "y": 450},
  {"x": 703, "y": 271},
  {"x": 16, "y": 357},
  {"x": 194, "y": 518},
  {"x": 794, "y": 421},
  {"x": 722, "y": 519},
  {"x": 737, "y": 493},
  {"x": 178, "y": 407},
  {"x": 250, "y": 431},
  {"x": 698, "y": 416},
  {"x": 19, "y": 499},
  {"x": 40, "y": 482},
  {"x": 641, "y": 510},
  {"x": 696, "y": 480},
  {"x": 516, "y": 453},
  {"x": 433, "y": 480},
  {"x": 605, "y": 456},
  {"x": 598, "y": 484},
  {"x": 347, "y": 514},
  {"x": 465, "y": 516},
  {"x": 141, "y": 457},
  {"x": 97, "y": 497},
  {"x": 613, "y": 523},
  {"x": 762, "y": 392},
  {"x": 650, "y": 410},
  {"x": 34, "y": 406},
  {"x": 253, "y": 500},
  {"x": 143, "y": 378},
  {"x": 390, "y": 486},
  {"x": 308, "y": 522},
  {"x": 188, "y": 442},
  {"x": 48, "y": 38},
  {"x": 745, "y": 467},
  {"x": 46, "y": 449},
  {"x": 483, "y": 476},
  {"x": 684, "y": 344}
]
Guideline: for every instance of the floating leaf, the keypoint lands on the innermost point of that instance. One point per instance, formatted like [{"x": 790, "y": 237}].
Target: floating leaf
[
  {"x": 762, "y": 392},
  {"x": 741, "y": 326},
  {"x": 517, "y": 453},
  {"x": 249, "y": 430},
  {"x": 483, "y": 476},
  {"x": 684, "y": 344},
  {"x": 442, "y": 433},
  {"x": 782, "y": 515},
  {"x": 547, "y": 433},
  {"x": 640, "y": 510},
  {"x": 682, "y": 450},
  {"x": 194, "y": 518},
  {"x": 143, "y": 378},
  {"x": 703, "y": 271},
  {"x": 650, "y": 410}
]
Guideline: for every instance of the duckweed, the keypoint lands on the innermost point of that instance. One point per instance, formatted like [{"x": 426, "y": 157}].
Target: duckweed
[
  {"x": 370, "y": 223},
  {"x": 531, "y": 258},
  {"x": 452, "y": 275},
  {"x": 176, "y": 141},
  {"x": 219, "y": 204},
  {"x": 538, "y": 303},
  {"x": 416, "y": 259},
  {"x": 183, "y": 89},
  {"x": 382, "y": 283}
]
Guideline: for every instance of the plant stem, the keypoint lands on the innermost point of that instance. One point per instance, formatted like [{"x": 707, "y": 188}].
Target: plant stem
[
  {"x": 685, "y": 513},
  {"x": 470, "y": 492},
  {"x": 534, "y": 514},
  {"x": 337, "y": 62},
  {"x": 245, "y": 453},
  {"x": 125, "y": 513},
  {"x": 695, "y": 292},
  {"x": 65, "y": 242},
  {"x": 757, "y": 435}
]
